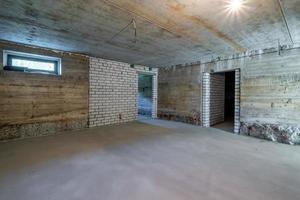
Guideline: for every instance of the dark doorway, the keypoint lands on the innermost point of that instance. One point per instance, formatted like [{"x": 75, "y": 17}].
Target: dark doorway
[
  {"x": 229, "y": 96},
  {"x": 145, "y": 95}
]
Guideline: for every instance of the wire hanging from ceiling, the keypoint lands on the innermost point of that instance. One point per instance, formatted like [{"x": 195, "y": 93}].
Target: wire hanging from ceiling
[
  {"x": 282, "y": 11},
  {"x": 133, "y": 23}
]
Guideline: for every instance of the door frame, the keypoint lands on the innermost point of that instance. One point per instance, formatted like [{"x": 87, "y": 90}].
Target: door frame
[
  {"x": 154, "y": 92},
  {"x": 206, "y": 98}
]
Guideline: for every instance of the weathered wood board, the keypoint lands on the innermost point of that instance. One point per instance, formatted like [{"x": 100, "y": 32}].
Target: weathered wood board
[{"x": 38, "y": 104}]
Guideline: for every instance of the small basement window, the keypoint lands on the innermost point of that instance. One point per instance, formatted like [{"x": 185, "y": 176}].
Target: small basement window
[{"x": 31, "y": 63}]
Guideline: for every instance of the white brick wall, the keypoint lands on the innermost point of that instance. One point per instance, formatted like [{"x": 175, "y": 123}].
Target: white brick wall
[
  {"x": 154, "y": 95},
  {"x": 206, "y": 100},
  {"x": 217, "y": 98},
  {"x": 113, "y": 92},
  {"x": 237, "y": 101}
]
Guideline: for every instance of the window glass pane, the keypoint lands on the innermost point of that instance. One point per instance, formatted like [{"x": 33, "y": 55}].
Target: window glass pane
[{"x": 35, "y": 65}]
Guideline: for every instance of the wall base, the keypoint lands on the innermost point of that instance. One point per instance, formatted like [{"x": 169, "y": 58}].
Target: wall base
[
  {"x": 20, "y": 131},
  {"x": 194, "y": 118},
  {"x": 272, "y": 132}
]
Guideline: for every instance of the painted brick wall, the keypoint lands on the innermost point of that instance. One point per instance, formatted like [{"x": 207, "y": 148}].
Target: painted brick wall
[
  {"x": 113, "y": 92},
  {"x": 205, "y": 100},
  {"x": 155, "y": 94},
  {"x": 217, "y": 98},
  {"x": 237, "y": 101}
]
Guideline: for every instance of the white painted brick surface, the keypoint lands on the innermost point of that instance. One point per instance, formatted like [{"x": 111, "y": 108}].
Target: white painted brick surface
[
  {"x": 113, "y": 92},
  {"x": 217, "y": 98},
  {"x": 154, "y": 95},
  {"x": 237, "y": 102},
  {"x": 206, "y": 100}
]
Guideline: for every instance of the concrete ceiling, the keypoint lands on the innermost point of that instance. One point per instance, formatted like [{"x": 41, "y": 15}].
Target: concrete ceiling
[{"x": 168, "y": 31}]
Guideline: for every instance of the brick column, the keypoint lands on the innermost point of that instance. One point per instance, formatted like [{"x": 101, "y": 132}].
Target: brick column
[
  {"x": 206, "y": 100},
  {"x": 154, "y": 95},
  {"x": 237, "y": 102}
]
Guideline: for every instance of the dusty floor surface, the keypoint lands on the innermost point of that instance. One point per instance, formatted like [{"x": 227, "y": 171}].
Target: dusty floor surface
[
  {"x": 228, "y": 126},
  {"x": 155, "y": 161}
]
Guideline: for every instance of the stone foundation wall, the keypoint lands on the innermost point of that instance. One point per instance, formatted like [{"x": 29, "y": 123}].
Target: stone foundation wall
[
  {"x": 193, "y": 118},
  {"x": 20, "y": 131},
  {"x": 273, "y": 132}
]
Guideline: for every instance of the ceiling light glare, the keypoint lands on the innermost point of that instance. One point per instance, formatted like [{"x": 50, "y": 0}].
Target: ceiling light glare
[{"x": 235, "y": 5}]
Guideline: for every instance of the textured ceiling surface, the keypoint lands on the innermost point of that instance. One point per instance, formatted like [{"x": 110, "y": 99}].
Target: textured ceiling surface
[{"x": 168, "y": 32}]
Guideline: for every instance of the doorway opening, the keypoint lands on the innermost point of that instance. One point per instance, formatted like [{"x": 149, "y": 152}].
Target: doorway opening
[
  {"x": 221, "y": 100},
  {"x": 145, "y": 95},
  {"x": 227, "y": 103},
  {"x": 223, "y": 104}
]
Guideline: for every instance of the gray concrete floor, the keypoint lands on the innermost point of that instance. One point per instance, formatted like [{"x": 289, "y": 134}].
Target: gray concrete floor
[
  {"x": 227, "y": 125},
  {"x": 150, "y": 160}
]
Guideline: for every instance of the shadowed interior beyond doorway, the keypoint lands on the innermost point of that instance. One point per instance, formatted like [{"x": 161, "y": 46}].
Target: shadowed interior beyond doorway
[
  {"x": 145, "y": 95},
  {"x": 229, "y": 94}
]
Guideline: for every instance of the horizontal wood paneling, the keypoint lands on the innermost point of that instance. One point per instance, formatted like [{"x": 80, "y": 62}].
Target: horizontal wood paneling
[
  {"x": 271, "y": 89},
  {"x": 179, "y": 94},
  {"x": 270, "y": 86},
  {"x": 43, "y": 103}
]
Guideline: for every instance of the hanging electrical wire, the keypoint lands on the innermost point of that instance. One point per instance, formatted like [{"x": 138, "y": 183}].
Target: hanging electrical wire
[
  {"x": 135, "y": 33},
  {"x": 282, "y": 11},
  {"x": 132, "y": 22}
]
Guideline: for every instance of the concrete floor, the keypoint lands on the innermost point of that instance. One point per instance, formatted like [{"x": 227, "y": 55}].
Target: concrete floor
[
  {"x": 158, "y": 160},
  {"x": 227, "y": 125}
]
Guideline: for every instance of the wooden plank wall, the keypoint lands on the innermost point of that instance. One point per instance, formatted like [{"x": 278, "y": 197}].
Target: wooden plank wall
[
  {"x": 37, "y": 104},
  {"x": 270, "y": 86},
  {"x": 179, "y": 94},
  {"x": 270, "y": 89}
]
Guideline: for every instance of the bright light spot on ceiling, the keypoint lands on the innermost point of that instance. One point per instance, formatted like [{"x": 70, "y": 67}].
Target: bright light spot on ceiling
[{"x": 235, "y": 6}]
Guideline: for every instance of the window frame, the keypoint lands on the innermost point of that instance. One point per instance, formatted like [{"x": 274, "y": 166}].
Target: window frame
[{"x": 8, "y": 56}]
